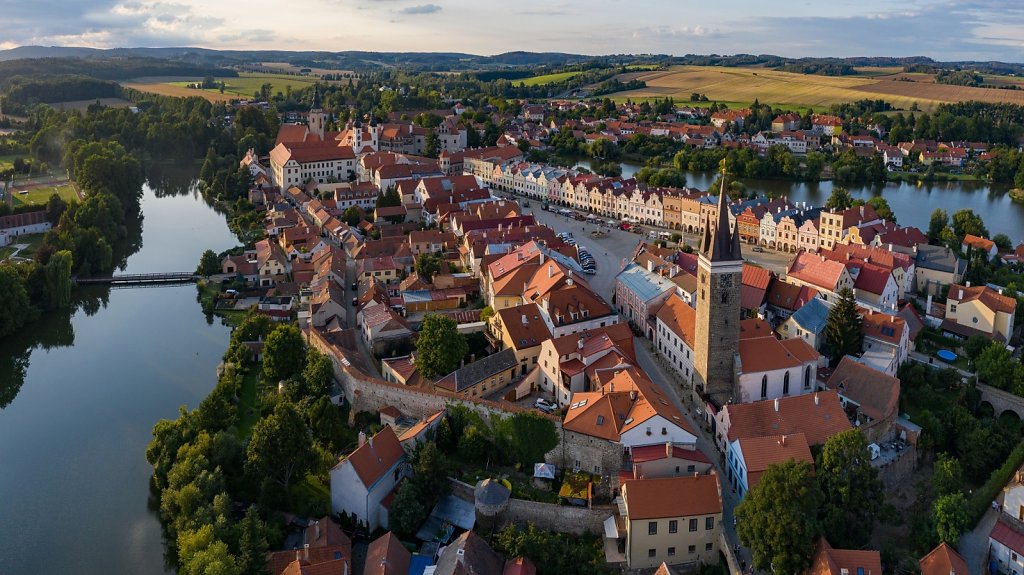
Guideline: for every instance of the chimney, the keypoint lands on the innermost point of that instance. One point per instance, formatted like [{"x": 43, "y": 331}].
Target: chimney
[
  {"x": 668, "y": 449},
  {"x": 305, "y": 552},
  {"x": 633, "y": 395},
  {"x": 316, "y": 536},
  {"x": 928, "y": 305},
  {"x": 815, "y": 398},
  {"x": 579, "y": 343},
  {"x": 650, "y": 265},
  {"x": 298, "y": 555},
  {"x": 776, "y": 405},
  {"x": 968, "y": 284},
  {"x": 362, "y": 439},
  {"x": 526, "y": 320},
  {"x": 541, "y": 258},
  {"x": 551, "y": 271},
  {"x": 782, "y": 441}
]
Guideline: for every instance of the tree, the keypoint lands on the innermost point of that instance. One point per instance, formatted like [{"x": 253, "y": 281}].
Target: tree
[
  {"x": 283, "y": 353},
  {"x": 853, "y": 493},
  {"x": 815, "y": 163},
  {"x": 429, "y": 473},
  {"x": 948, "y": 477},
  {"x": 55, "y": 208},
  {"x": 352, "y": 216},
  {"x": 881, "y": 206},
  {"x": 843, "y": 327},
  {"x": 433, "y": 144},
  {"x": 427, "y": 265},
  {"x": 408, "y": 511},
  {"x": 778, "y": 518},
  {"x": 200, "y": 552},
  {"x": 1003, "y": 242},
  {"x": 389, "y": 198},
  {"x": 208, "y": 264},
  {"x": 839, "y": 200},
  {"x": 996, "y": 367},
  {"x": 526, "y": 437},
  {"x": 280, "y": 445},
  {"x": 938, "y": 222},
  {"x": 15, "y": 308},
  {"x": 975, "y": 345},
  {"x": 440, "y": 347},
  {"x": 950, "y": 516},
  {"x": 327, "y": 425},
  {"x": 318, "y": 375},
  {"x": 965, "y": 222},
  {"x": 252, "y": 544},
  {"x": 486, "y": 314},
  {"x": 57, "y": 280}
]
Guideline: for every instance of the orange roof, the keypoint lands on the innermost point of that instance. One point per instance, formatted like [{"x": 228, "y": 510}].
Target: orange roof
[
  {"x": 616, "y": 335},
  {"x": 672, "y": 497},
  {"x": 767, "y": 353},
  {"x": 979, "y": 243},
  {"x": 943, "y": 560},
  {"x": 992, "y": 299},
  {"x": 421, "y": 425},
  {"x": 877, "y": 393},
  {"x": 817, "y": 416},
  {"x": 375, "y": 457},
  {"x": 679, "y": 318},
  {"x": 627, "y": 401},
  {"x": 816, "y": 270},
  {"x": 754, "y": 327},
  {"x": 760, "y": 452},
  {"x": 519, "y": 566},
  {"x": 387, "y": 556},
  {"x": 883, "y": 326},
  {"x": 524, "y": 326},
  {"x": 829, "y": 561}
]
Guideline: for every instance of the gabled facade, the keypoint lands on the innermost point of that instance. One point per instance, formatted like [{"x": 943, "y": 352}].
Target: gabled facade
[{"x": 361, "y": 482}]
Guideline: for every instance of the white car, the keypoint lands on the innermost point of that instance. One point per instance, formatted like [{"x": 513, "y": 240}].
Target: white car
[{"x": 545, "y": 405}]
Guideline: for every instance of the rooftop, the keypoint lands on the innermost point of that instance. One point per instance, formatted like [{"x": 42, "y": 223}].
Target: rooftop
[
  {"x": 817, "y": 416},
  {"x": 672, "y": 497}
]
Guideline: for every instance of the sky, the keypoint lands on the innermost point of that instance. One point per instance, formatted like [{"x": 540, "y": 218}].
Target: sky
[{"x": 941, "y": 29}]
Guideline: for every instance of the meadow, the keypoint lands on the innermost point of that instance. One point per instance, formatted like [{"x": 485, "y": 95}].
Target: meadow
[
  {"x": 41, "y": 194},
  {"x": 244, "y": 86},
  {"x": 547, "y": 78},
  {"x": 799, "y": 91}
]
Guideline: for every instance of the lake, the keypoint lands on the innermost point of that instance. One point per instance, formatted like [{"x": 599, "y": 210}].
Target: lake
[
  {"x": 82, "y": 391},
  {"x": 913, "y": 204}
]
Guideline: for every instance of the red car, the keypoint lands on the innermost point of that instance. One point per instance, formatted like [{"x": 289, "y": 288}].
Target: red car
[{"x": 624, "y": 227}]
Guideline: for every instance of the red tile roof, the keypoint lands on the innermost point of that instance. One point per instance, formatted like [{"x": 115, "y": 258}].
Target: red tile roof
[
  {"x": 760, "y": 354},
  {"x": 628, "y": 400},
  {"x": 760, "y": 452},
  {"x": 672, "y": 497},
  {"x": 943, "y": 560},
  {"x": 375, "y": 457},
  {"x": 992, "y": 299},
  {"x": 829, "y": 561},
  {"x": 1004, "y": 533},
  {"x": 679, "y": 318},
  {"x": 818, "y": 416},
  {"x": 877, "y": 393},
  {"x": 387, "y": 556},
  {"x": 816, "y": 270}
]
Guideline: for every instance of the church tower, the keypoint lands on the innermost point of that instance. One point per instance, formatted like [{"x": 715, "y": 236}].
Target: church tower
[
  {"x": 719, "y": 276},
  {"x": 317, "y": 119}
]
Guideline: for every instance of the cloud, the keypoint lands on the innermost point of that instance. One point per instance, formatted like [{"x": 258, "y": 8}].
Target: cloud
[{"x": 421, "y": 9}]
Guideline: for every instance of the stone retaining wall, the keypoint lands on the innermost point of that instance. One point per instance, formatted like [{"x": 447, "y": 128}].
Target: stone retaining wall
[{"x": 545, "y": 516}]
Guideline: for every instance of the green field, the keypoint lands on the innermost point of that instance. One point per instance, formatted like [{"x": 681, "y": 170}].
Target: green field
[
  {"x": 41, "y": 195},
  {"x": 244, "y": 86},
  {"x": 5, "y": 252},
  {"x": 7, "y": 162},
  {"x": 33, "y": 241},
  {"x": 549, "y": 78}
]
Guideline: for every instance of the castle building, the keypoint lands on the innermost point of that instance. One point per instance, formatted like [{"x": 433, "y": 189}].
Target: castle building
[{"x": 719, "y": 276}]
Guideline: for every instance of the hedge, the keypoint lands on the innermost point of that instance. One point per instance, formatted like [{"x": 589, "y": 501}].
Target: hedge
[{"x": 982, "y": 498}]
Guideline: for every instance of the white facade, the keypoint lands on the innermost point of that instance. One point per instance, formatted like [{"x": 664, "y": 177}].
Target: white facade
[
  {"x": 657, "y": 431},
  {"x": 774, "y": 383},
  {"x": 349, "y": 495},
  {"x": 674, "y": 349}
]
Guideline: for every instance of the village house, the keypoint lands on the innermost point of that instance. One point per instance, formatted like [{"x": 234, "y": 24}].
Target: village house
[
  {"x": 829, "y": 561},
  {"x": 245, "y": 265},
  {"x": 943, "y": 560},
  {"x": 522, "y": 330},
  {"x": 886, "y": 342},
  {"x": 817, "y": 416},
  {"x": 817, "y": 272},
  {"x": 833, "y": 225},
  {"x": 936, "y": 267},
  {"x": 380, "y": 326},
  {"x": 324, "y": 549},
  {"x": 807, "y": 323},
  {"x": 978, "y": 244},
  {"x": 568, "y": 364},
  {"x": 363, "y": 484},
  {"x": 978, "y": 310},
  {"x": 1006, "y": 538},
  {"x": 675, "y": 333},
  {"x": 21, "y": 224},
  {"x": 768, "y": 368},
  {"x": 674, "y": 520},
  {"x": 641, "y": 288},
  {"x": 870, "y": 397},
  {"x": 327, "y": 303},
  {"x": 785, "y": 298},
  {"x": 748, "y": 458},
  {"x": 386, "y": 555},
  {"x": 483, "y": 376},
  {"x": 271, "y": 263}
]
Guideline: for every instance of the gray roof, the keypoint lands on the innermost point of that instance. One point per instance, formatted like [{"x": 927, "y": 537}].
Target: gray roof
[
  {"x": 450, "y": 510},
  {"x": 646, "y": 285},
  {"x": 481, "y": 369},
  {"x": 491, "y": 492},
  {"x": 812, "y": 315},
  {"x": 938, "y": 258},
  {"x": 724, "y": 245}
]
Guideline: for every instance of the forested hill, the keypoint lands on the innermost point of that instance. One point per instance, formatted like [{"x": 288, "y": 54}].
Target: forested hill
[{"x": 107, "y": 68}]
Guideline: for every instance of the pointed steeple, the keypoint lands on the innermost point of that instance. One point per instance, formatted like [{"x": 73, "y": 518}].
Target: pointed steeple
[
  {"x": 724, "y": 243},
  {"x": 316, "y": 98}
]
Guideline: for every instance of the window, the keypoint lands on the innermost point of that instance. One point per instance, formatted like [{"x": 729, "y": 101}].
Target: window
[
  {"x": 652, "y": 527},
  {"x": 709, "y": 546},
  {"x": 673, "y": 525},
  {"x": 785, "y": 384},
  {"x": 807, "y": 377},
  {"x": 651, "y": 553},
  {"x": 690, "y": 468},
  {"x": 709, "y": 523},
  {"x": 764, "y": 386},
  {"x": 671, "y": 551},
  {"x": 693, "y": 525},
  {"x": 691, "y": 549}
]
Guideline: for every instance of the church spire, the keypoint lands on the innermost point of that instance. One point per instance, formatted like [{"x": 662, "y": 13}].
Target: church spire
[
  {"x": 316, "y": 98},
  {"x": 723, "y": 244}
]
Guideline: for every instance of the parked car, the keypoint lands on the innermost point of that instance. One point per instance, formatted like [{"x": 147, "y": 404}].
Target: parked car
[
  {"x": 545, "y": 405},
  {"x": 758, "y": 249},
  {"x": 355, "y": 302}
]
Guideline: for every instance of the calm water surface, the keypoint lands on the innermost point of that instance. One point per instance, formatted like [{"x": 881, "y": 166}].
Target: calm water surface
[{"x": 74, "y": 481}]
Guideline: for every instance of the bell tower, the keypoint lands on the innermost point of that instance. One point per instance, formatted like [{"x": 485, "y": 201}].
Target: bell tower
[
  {"x": 317, "y": 119},
  {"x": 719, "y": 276}
]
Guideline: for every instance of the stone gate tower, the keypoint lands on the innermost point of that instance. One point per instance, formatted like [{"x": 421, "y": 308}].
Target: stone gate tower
[{"x": 719, "y": 275}]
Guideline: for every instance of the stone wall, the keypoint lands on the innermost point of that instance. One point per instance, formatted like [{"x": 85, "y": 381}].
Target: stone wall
[
  {"x": 545, "y": 516},
  {"x": 596, "y": 456},
  {"x": 900, "y": 469}
]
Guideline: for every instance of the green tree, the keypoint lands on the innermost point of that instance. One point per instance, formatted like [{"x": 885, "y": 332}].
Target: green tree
[
  {"x": 389, "y": 198},
  {"x": 283, "y": 353},
  {"x": 938, "y": 222},
  {"x": 429, "y": 472},
  {"x": 55, "y": 208},
  {"x": 15, "y": 308},
  {"x": 280, "y": 445},
  {"x": 778, "y": 518},
  {"x": 352, "y": 216},
  {"x": 208, "y": 264},
  {"x": 486, "y": 314},
  {"x": 57, "y": 280},
  {"x": 474, "y": 444},
  {"x": 409, "y": 512},
  {"x": 327, "y": 425},
  {"x": 252, "y": 544},
  {"x": 996, "y": 367},
  {"x": 843, "y": 334},
  {"x": 948, "y": 476},
  {"x": 433, "y": 144},
  {"x": 427, "y": 265},
  {"x": 526, "y": 437},
  {"x": 852, "y": 490},
  {"x": 950, "y": 516},
  {"x": 881, "y": 206},
  {"x": 839, "y": 200},
  {"x": 318, "y": 375},
  {"x": 975, "y": 345},
  {"x": 440, "y": 347},
  {"x": 201, "y": 553},
  {"x": 965, "y": 222},
  {"x": 814, "y": 163}
]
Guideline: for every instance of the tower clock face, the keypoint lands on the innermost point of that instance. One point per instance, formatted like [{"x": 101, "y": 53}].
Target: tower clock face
[{"x": 725, "y": 281}]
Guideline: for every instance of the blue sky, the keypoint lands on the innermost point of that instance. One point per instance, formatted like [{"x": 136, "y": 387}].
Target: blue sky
[{"x": 942, "y": 29}]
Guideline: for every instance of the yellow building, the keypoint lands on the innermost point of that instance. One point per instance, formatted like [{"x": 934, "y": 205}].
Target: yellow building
[
  {"x": 522, "y": 330},
  {"x": 979, "y": 310}
]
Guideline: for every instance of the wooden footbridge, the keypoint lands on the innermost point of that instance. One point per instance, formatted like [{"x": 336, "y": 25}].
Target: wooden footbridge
[{"x": 141, "y": 279}]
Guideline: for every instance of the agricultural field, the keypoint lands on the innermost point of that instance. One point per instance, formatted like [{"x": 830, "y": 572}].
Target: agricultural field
[
  {"x": 82, "y": 105},
  {"x": 41, "y": 194},
  {"x": 547, "y": 78},
  {"x": 244, "y": 86},
  {"x": 803, "y": 90}
]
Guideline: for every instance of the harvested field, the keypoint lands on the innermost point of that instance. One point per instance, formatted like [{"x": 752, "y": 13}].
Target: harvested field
[
  {"x": 244, "y": 86},
  {"x": 800, "y": 90}
]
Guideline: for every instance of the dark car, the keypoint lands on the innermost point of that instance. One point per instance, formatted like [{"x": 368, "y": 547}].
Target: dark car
[
  {"x": 355, "y": 286},
  {"x": 355, "y": 302}
]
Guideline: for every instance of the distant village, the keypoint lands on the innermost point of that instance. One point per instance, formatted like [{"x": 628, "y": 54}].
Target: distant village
[{"x": 674, "y": 376}]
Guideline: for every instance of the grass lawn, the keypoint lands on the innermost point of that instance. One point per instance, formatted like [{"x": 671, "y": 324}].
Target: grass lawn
[
  {"x": 5, "y": 252},
  {"x": 248, "y": 402},
  {"x": 7, "y": 162},
  {"x": 309, "y": 497},
  {"x": 33, "y": 241},
  {"x": 548, "y": 78},
  {"x": 41, "y": 195}
]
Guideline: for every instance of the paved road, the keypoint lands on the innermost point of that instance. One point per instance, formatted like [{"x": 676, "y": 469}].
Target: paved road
[{"x": 974, "y": 544}]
